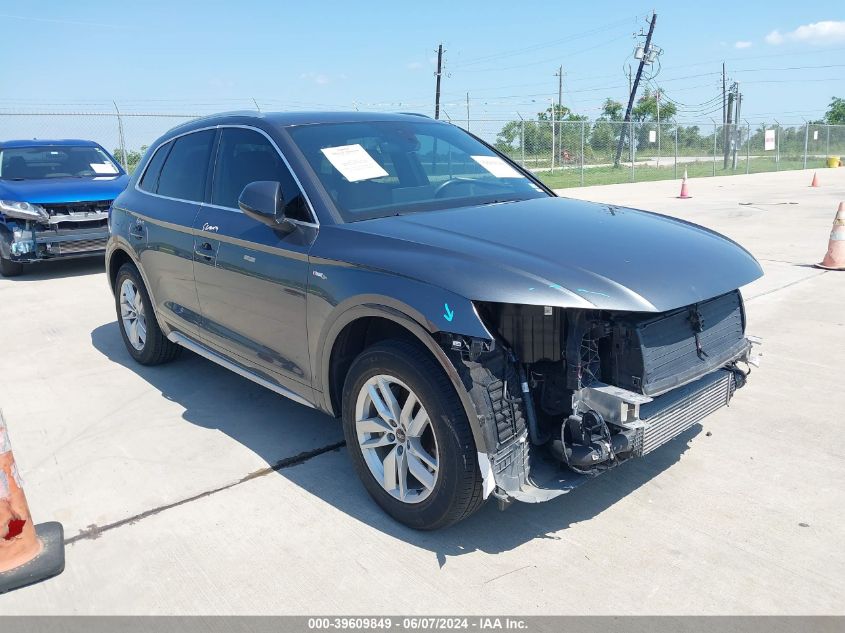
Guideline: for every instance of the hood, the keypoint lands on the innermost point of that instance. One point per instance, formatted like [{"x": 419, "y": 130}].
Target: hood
[
  {"x": 551, "y": 251},
  {"x": 57, "y": 190}
]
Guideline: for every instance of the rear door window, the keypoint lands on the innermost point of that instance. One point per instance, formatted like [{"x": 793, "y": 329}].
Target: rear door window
[{"x": 184, "y": 172}]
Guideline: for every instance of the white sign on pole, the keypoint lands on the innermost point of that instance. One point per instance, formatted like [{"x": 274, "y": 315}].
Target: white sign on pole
[
  {"x": 652, "y": 136},
  {"x": 815, "y": 135},
  {"x": 769, "y": 140}
]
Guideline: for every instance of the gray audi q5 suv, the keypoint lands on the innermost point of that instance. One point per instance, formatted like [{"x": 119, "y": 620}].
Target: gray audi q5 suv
[{"x": 479, "y": 336}]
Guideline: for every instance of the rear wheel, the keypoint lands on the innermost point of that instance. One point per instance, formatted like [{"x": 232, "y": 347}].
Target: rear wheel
[
  {"x": 144, "y": 340},
  {"x": 409, "y": 438},
  {"x": 8, "y": 268}
]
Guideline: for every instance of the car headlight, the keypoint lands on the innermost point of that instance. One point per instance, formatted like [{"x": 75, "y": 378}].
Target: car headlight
[{"x": 23, "y": 210}]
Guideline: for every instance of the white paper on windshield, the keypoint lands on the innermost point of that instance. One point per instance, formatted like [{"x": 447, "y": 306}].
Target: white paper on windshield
[
  {"x": 497, "y": 167},
  {"x": 354, "y": 162},
  {"x": 103, "y": 168}
]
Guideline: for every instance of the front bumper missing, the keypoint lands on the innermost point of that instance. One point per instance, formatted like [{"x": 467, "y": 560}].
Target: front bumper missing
[
  {"x": 44, "y": 244},
  {"x": 653, "y": 421}
]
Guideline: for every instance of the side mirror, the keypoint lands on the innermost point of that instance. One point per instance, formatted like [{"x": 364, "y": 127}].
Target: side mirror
[{"x": 262, "y": 200}]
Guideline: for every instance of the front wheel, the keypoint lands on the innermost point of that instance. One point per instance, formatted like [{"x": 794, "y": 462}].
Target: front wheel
[
  {"x": 8, "y": 268},
  {"x": 409, "y": 438}
]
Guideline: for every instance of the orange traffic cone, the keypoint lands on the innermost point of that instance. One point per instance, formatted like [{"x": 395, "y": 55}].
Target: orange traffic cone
[
  {"x": 28, "y": 553},
  {"x": 834, "y": 259},
  {"x": 684, "y": 190},
  {"x": 815, "y": 182}
]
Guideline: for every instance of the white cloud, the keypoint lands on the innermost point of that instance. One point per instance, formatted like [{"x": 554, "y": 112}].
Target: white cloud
[
  {"x": 742, "y": 44},
  {"x": 819, "y": 33},
  {"x": 774, "y": 38},
  {"x": 414, "y": 65},
  {"x": 318, "y": 78}
]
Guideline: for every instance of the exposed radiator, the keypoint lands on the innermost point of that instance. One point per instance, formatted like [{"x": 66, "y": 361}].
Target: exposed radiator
[
  {"x": 654, "y": 354},
  {"x": 671, "y": 414},
  {"x": 81, "y": 246}
]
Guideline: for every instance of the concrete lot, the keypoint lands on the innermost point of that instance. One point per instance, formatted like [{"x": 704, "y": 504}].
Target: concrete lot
[{"x": 146, "y": 467}]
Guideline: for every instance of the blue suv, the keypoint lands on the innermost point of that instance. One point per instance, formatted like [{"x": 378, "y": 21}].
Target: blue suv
[{"x": 54, "y": 200}]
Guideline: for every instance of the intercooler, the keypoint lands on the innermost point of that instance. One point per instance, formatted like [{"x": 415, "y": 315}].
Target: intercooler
[
  {"x": 671, "y": 414},
  {"x": 78, "y": 246}
]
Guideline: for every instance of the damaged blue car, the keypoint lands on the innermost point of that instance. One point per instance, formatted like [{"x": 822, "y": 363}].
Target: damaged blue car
[{"x": 54, "y": 200}]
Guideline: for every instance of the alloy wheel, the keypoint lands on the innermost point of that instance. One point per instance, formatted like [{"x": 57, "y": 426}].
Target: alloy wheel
[
  {"x": 397, "y": 439},
  {"x": 132, "y": 314}
]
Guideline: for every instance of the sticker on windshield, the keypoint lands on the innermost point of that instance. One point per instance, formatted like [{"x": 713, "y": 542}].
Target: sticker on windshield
[
  {"x": 497, "y": 167},
  {"x": 103, "y": 168},
  {"x": 353, "y": 162}
]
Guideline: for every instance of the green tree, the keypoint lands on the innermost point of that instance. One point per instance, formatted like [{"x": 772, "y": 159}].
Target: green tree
[
  {"x": 835, "y": 114},
  {"x": 562, "y": 113},
  {"x": 611, "y": 110},
  {"x": 133, "y": 157},
  {"x": 538, "y": 134},
  {"x": 646, "y": 108}
]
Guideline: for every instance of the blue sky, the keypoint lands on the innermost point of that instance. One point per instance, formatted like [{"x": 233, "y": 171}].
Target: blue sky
[{"x": 187, "y": 56}]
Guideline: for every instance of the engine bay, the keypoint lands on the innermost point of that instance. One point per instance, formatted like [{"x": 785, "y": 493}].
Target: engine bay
[{"x": 600, "y": 387}]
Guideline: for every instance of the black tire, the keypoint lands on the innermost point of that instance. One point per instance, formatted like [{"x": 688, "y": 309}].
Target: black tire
[
  {"x": 9, "y": 268},
  {"x": 157, "y": 349},
  {"x": 457, "y": 492}
]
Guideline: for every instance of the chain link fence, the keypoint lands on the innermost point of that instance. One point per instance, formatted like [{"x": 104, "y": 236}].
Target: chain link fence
[
  {"x": 575, "y": 153},
  {"x": 561, "y": 153}
]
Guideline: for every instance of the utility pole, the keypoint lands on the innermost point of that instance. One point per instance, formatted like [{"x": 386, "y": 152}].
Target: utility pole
[
  {"x": 558, "y": 114},
  {"x": 467, "y": 112},
  {"x": 737, "y": 119},
  {"x": 646, "y": 53},
  {"x": 438, "y": 75},
  {"x": 724, "y": 89},
  {"x": 728, "y": 135},
  {"x": 559, "y": 75},
  {"x": 657, "y": 101}
]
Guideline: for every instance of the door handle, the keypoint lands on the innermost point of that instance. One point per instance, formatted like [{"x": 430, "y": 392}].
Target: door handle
[{"x": 204, "y": 250}]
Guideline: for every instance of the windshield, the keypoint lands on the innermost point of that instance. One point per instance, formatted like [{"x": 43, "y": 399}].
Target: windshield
[
  {"x": 379, "y": 168},
  {"x": 55, "y": 161}
]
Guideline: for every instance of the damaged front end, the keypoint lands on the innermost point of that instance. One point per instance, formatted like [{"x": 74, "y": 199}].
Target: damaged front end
[
  {"x": 567, "y": 394},
  {"x": 32, "y": 232}
]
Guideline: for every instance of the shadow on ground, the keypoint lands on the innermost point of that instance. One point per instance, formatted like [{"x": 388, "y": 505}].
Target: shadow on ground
[
  {"x": 59, "y": 269},
  {"x": 213, "y": 397}
]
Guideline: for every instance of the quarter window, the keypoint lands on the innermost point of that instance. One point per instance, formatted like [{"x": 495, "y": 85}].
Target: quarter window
[
  {"x": 149, "y": 182},
  {"x": 246, "y": 156},
  {"x": 184, "y": 172}
]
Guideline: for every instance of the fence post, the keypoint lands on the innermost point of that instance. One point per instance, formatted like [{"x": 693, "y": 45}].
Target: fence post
[
  {"x": 121, "y": 140},
  {"x": 777, "y": 146},
  {"x": 522, "y": 141},
  {"x": 553, "y": 139},
  {"x": 806, "y": 141},
  {"x": 715, "y": 134},
  {"x": 658, "y": 145},
  {"x": 748, "y": 147},
  {"x": 827, "y": 150},
  {"x": 583, "y": 124},
  {"x": 632, "y": 151},
  {"x": 676, "y": 150}
]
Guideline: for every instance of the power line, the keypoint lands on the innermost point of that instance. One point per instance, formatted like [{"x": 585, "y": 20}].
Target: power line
[
  {"x": 535, "y": 47},
  {"x": 545, "y": 61}
]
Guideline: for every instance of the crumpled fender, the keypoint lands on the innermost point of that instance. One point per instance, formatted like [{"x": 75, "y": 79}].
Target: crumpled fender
[{"x": 339, "y": 294}]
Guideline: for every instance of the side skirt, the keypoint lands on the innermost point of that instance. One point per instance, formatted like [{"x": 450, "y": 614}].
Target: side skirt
[{"x": 205, "y": 352}]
